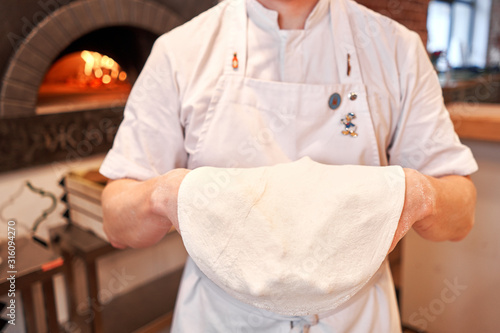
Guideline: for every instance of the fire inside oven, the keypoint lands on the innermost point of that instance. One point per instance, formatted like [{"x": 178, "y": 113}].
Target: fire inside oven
[
  {"x": 95, "y": 72},
  {"x": 83, "y": 80}
]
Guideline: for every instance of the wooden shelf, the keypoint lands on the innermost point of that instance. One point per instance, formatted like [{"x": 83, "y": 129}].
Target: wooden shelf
[
  {"x": 480, "y": 89},
  {"x": 33, "y": 264},
  {"x": 147, "y": 308}
]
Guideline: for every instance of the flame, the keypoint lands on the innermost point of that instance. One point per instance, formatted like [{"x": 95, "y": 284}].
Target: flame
[
  {"x": 106, "y": 79},
  {"x": 89, "y": 62},
  {"x": 122, "y": 76},
  {"x": 98, "y": 73},
  {"x": 102, "y": 67}
]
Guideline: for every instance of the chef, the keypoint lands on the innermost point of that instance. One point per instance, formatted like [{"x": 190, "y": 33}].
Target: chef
[{"x": 254, "y": 83}]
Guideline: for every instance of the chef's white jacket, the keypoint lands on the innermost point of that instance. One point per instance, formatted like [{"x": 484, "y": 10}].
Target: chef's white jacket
[{"x": 166, "y": 120}]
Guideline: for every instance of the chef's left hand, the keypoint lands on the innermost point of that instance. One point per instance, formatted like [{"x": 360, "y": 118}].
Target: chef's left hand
[{"x": 438, "y": 209}]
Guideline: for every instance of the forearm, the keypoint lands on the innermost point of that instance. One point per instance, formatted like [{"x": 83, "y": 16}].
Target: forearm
[
  {"x": 128, "y": 214},
  {"x": 139, "y": 213},
  {"x": 452, "y": 216}
]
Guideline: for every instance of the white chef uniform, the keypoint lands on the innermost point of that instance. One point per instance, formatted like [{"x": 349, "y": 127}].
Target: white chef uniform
[{"x": 191, "y": 108}]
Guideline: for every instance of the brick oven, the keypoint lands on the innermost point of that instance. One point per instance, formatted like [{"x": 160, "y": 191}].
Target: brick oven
[{"x": 39, "y": 34}]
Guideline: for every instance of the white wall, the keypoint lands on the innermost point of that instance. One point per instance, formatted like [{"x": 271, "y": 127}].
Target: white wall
[
  {"x": 26, "y": 207},
  {"x": 454, "y": 287},
  {"x": 29, "y": 205},
  {"x": 131, "y": 268}
]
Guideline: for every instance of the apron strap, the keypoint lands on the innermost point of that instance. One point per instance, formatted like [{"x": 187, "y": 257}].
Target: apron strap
[
  {"x": 346, "y": 56},
  {"x": 237, "y": 48}
]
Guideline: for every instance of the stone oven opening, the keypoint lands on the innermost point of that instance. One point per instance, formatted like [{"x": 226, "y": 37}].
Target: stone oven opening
[
  {"x": 96, "y": 71},
  {"x": 82, "y": 80}
]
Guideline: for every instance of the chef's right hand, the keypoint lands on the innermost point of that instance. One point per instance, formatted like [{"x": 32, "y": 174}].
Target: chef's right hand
[{"x": 139, "y": 213}]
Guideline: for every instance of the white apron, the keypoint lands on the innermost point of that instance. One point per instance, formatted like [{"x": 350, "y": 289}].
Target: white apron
[{"x": 251, "y": 123}]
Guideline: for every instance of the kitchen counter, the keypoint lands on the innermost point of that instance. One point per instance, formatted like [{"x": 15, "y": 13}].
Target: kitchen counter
[{"x": 477, "y": 121}]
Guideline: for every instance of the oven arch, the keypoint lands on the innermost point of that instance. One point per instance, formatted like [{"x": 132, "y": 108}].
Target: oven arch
[{"x": 60, "y": 29}]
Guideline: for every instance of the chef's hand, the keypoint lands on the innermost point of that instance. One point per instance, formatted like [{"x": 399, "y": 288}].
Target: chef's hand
[
  {"x": 139, "y": 213},
  {"x": 164, "y": 196},
  {"x": 418, "y": 204},
  {"x": 438, "y": 209}
]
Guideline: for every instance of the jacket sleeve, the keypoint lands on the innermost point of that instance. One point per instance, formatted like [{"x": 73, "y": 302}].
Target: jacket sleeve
[
  {"x": 425, "y": 138},
  {"x": 150, "y": 139}
]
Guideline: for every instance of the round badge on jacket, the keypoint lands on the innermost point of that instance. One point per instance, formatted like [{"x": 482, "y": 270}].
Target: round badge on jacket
[{"x": 334, "y": 101}]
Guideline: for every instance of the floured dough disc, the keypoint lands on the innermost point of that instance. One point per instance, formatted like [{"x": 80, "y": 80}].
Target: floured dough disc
[{"x": 297, "y": 238}]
